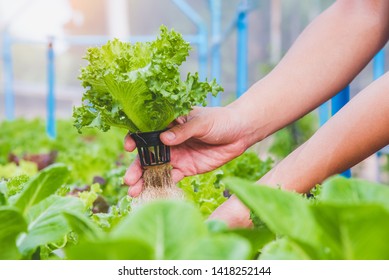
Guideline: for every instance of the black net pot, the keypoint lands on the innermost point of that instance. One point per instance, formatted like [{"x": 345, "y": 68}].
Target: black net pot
[{"x": 150, "y": 148}]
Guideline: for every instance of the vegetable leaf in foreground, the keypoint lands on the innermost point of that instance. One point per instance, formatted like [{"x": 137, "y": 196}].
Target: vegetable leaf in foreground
[{"x": 348, "y": 220}]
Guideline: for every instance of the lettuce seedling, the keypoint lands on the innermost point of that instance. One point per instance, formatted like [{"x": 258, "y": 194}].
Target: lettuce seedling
[{"x": 138, "y": 87}]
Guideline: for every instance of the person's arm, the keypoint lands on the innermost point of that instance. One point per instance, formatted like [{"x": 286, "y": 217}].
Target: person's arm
[
  {"x": 354, "y": 133},
  {"x": 328, "y": 54}
]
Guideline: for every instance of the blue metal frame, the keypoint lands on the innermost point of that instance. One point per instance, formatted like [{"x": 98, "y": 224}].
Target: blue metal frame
[
  {"x": 324, "y": 112},
  {"x": 50, "y": 122},
  {"x": 338, "y": 101},
  {"x": 379, "y": 64}
]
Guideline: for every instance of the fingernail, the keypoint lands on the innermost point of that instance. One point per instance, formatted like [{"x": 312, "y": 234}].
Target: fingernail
[{"x": 170, "y": 135}]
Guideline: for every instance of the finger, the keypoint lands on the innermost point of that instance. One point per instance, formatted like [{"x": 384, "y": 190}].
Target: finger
[
  {"x": 133, "y": 173},
  {"x": 129, "y": 143},
  {"x": 178, "y": 134},
  {"x": 136, "y": 189},
  {"x": 177, "y": 175},
  {"x": 183, "y": 119}
]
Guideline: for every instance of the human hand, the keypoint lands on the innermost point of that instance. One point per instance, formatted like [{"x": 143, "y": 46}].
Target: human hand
[
  {"x": 234, "y": 213},
  {"x": 200, "y": 142}
]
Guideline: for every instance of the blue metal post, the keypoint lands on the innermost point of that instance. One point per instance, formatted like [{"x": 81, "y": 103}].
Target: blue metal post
[
  {"x": 50, "y": 125},
  {"x": 338, "y": 101},
  {"x": 242, "y": 48},
  {"x": 216, "y": 6},
  {"x": 379, "y": 64},
  {"x": 8, "y": 77},
  {"x": 324, "y": 113}
]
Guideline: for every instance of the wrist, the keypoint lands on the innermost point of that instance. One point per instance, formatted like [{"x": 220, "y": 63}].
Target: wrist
[{"x": 253, "y": 124}]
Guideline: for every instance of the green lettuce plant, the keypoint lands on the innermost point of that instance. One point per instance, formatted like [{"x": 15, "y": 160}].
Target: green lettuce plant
[
  {"x": 348, "y": 219},
  {"x": 138, "y": 86}
]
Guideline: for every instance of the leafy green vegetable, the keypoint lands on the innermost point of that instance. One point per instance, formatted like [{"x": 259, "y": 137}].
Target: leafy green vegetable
[
  {"x": 283, "y": 249},
  {"x": 16, "y": 184},
  {"x": 39, "y": 219},
  {"x": 347, "y": 220},
  {"x": 86, "y": 156},
  {"x": 163, "y": 230},
  {"x": 12, "y": 224},
  {"x": 343, "y": 191},
  {"x": 46, "y": 222},
  {"x": 214, "y": 248},
  {"x": 129, "y": 249},
  {"x": 162, "y": 225},
  {"x": 11, "y": 169},
  {"x": 207, "y": 190},
  {"x": 138, "y": 86},
  {"x": 40, "y": 187}
]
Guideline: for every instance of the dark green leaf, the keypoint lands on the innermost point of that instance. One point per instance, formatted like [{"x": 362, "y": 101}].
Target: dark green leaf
[
  {"x": 167, "y": 226},
  {"x": 12, "y": 224},
  {"x": 285, "y": 213},
  {"x": 358, "y": 230},
  {"x": 283, "y": 249},
  {"x": 129, "y": 249},
  {"x": 46, "y": 222},
  {"x": 82, "y": 225},
  {"x": 340, "y": 190},
  {"x": 40, "y": 187},
  {"x": 219, "y": 247}
]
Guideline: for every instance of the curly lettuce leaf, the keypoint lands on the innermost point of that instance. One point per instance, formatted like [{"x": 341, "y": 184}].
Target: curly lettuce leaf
[{"x": 138, "y": 86}]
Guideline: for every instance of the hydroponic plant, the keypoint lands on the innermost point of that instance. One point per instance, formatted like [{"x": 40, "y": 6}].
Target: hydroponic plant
[{"x": 138, "y": 87}]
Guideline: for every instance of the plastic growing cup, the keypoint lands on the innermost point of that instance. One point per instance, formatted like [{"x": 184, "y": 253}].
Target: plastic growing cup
[{"x": 150, "y": 148}]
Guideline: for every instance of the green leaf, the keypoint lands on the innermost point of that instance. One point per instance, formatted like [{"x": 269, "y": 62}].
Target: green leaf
[
  {"x": 41, "y": 186},
  {"x": 358, "y": 230},
  {"x": 132, "y": 104},
  {"x": 283, "y": 249},
  {"x": 129, "y": 249},
  {"x": 138, "y": 86},
  {"x": 3, "y": 191},
  {"x": 12, "y": 224},
  {"x": 219, "y": 247},
  {"x": 46, "y": 222},
  {"x": 258, "y": 238},
  {"x": 294, "y": 215},
  {"x": 167, "y": 226},
  {"x": 16, "y": 184},
  {"x": 285, "y": 213},
  {"x": 339, "y": 190},
  {"x": 83, "y": 226},
  {"x": 333, "y": 228}
]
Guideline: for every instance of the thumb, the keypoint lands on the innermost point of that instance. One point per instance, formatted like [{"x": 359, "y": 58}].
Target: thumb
[{"x": 182, "y": 132}]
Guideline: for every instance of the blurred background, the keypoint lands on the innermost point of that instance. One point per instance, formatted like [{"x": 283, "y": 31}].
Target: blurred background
[
  {"x": 238, "y": 42},
  {"x": 29, "y": 26}
]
